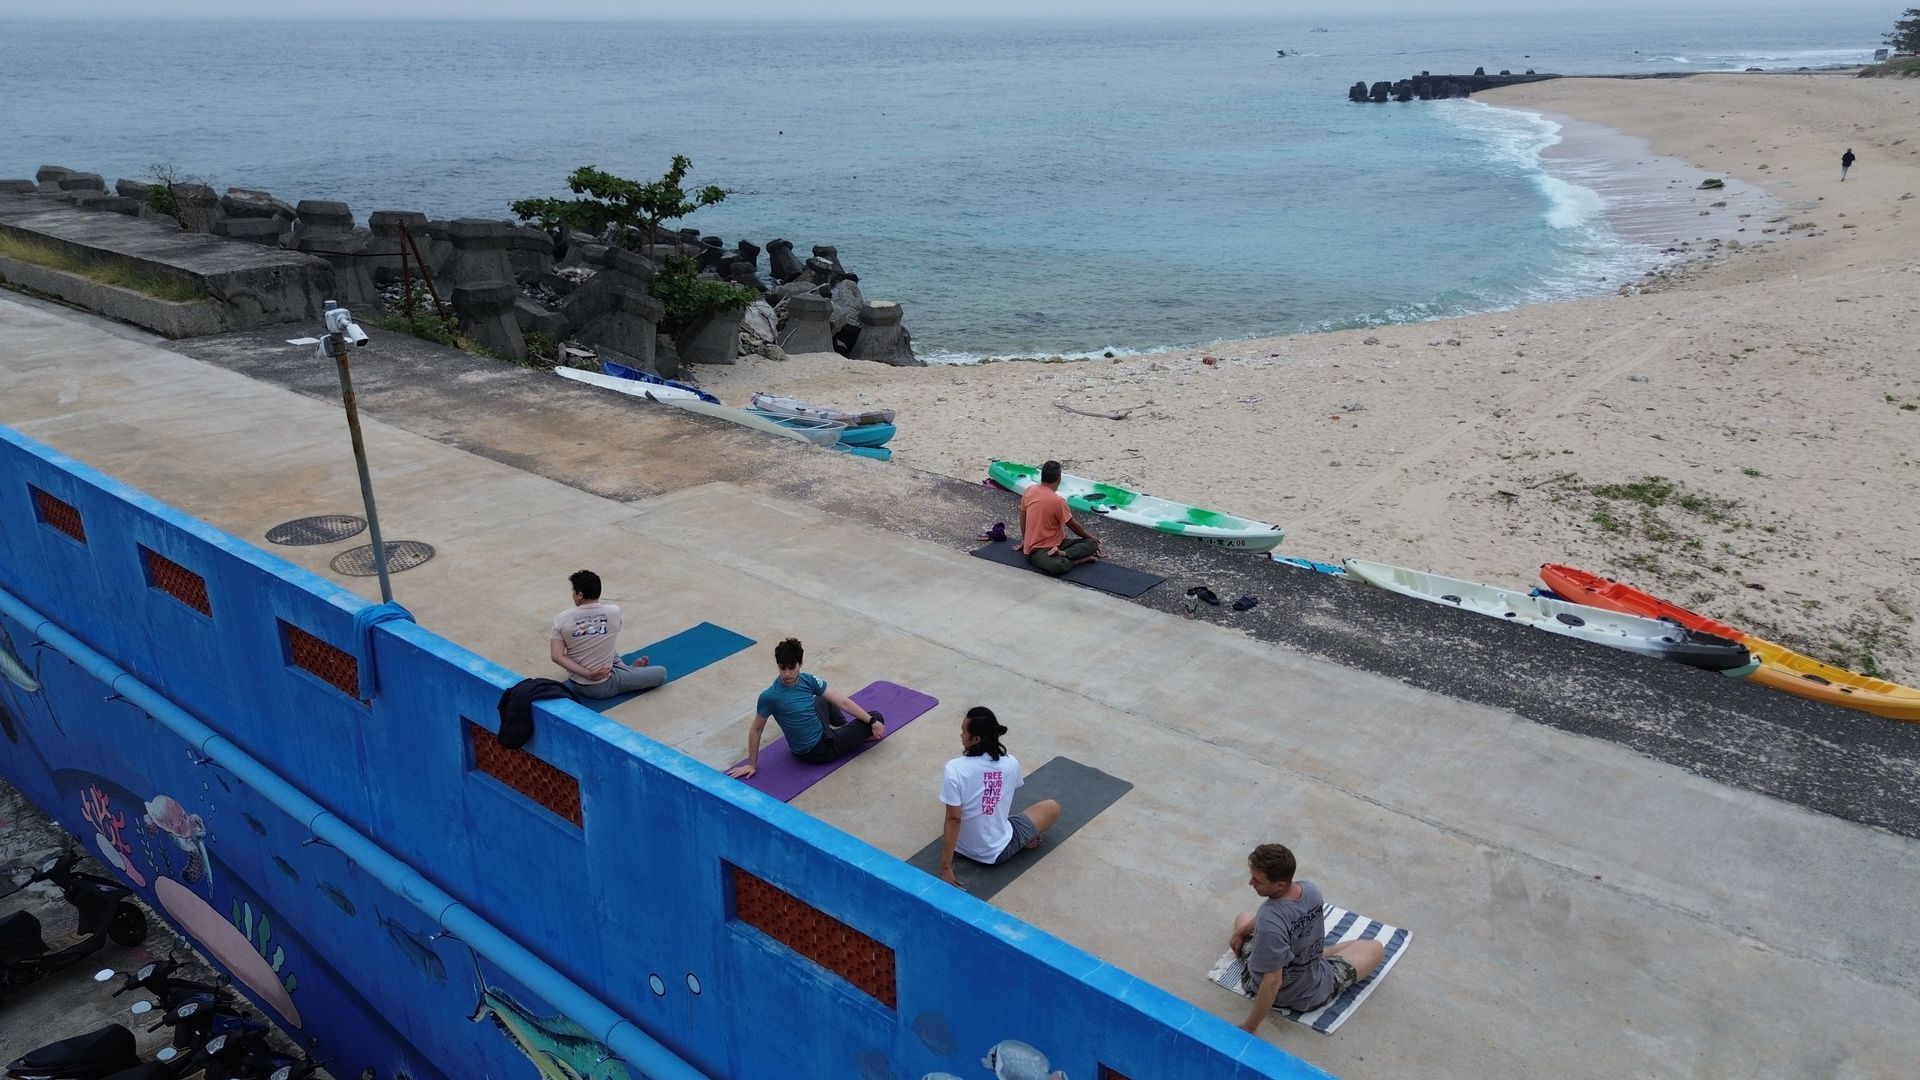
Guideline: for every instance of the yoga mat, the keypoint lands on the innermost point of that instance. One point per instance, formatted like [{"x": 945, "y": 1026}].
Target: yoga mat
[
  {"x": 1342, "y": 925},
  {"x": 1083, "y": 792},
  {"x": 783, "y": 776},
  {"x": 1102, "y": 575},
  {"x": 682, "y": 654}
]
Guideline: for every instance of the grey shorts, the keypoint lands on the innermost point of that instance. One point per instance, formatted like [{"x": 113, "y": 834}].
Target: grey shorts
[
  {"x": 1344, "y": 976},
  {"x": 1023, "y": 834}
]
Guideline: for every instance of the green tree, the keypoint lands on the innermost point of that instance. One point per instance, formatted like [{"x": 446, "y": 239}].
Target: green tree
[
  {"x": 636, "y": 210},
  {"x": 1905, "y": 36}
]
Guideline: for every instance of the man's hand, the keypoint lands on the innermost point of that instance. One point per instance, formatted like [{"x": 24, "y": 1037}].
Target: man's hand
[
  {"x": 1237, "y": 941},
  {"x": 1251, "y": 1027},
  {"x": 600, "y": 674},
  {"x": 946, "y": 875},
  {"x": 742, "y": 772}
]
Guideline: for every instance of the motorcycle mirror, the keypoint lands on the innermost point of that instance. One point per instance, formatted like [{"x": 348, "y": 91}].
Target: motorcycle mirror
[
  {"x": 140, "y": 1008},
  {"x": 103, "y": 975},
  {"x": 167, "y": 1053},
  {"x": 216, "y": 1044},
  {"x": 187, "y": 1010},
  {"x": 284, "y": 1072},
  {"x": 146, "y": 972},
  {"x": 47, "y": 867}
]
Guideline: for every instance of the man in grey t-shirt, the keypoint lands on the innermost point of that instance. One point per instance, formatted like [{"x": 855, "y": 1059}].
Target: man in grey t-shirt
[{"x": 1287, "y": 968}]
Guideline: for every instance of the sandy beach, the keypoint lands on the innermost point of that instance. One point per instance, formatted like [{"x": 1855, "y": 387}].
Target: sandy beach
[{"x": 1739, "y": 434}]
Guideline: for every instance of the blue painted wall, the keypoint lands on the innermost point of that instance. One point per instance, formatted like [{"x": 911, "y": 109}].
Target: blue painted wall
[{"x": 639, "y": 897}]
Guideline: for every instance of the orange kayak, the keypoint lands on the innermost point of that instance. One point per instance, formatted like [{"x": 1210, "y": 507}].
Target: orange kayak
[
  {"x": 1780, "y": 667},
  {"x": 1581, "y": 587}
]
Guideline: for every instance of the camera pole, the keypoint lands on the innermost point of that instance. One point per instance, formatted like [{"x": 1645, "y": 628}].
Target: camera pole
[{"x": 337, "y": 345}]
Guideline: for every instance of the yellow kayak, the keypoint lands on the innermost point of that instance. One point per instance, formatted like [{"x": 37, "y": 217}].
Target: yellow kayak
[{"x": 1797, "y": 673}]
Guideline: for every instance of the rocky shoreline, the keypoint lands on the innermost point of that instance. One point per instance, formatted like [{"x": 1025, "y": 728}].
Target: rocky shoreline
[{"x": 510, "y": 285}]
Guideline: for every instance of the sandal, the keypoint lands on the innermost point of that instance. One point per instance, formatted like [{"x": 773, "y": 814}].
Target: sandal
[
  {"x": 1245, "y": 602},
  {"x": 995, "y": 532},
  {"x": 1204, "y": 595}
]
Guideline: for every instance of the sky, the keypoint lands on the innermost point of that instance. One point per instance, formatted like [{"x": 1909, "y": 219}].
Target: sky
[{"x": 1312, "y": 10}]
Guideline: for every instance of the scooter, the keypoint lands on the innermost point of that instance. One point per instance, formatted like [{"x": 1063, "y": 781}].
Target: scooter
[
  {"x": 108, "y": 1052},
  {"x": 106, "y": 911},
  {"x": 157, "y": 978}
]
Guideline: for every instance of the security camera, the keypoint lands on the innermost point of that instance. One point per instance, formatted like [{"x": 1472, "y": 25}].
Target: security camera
[{"x": 340, "y": 321}]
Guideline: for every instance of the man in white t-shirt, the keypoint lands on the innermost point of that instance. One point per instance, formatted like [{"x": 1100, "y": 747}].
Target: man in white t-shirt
[
  {"x": 978, "y": 793},
  {"x": 586, "y": 642}
]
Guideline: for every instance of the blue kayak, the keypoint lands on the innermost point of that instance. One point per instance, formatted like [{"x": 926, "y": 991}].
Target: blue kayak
[
  {"x": 877, "y": 453},
  {"x": 1308, "y": 564},
  {"x": 622, "y": 371},
  {"x": 867, "y": 435}
]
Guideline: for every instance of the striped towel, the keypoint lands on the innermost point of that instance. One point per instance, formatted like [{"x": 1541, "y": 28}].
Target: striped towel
[{"x": 1342, "y": 925}]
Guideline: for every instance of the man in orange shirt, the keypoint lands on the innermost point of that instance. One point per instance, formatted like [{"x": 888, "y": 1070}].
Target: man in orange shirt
[{"x": 1044, "y": 519}]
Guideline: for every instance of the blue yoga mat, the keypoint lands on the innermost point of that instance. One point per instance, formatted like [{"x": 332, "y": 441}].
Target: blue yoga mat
[{"x": 682, "y": 654}]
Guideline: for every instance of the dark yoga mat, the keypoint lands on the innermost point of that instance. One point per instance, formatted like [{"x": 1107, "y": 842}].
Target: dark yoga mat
[
  {"x": 1102, "y": 575},
  {"x": 1083, "y": 792},
  {"x": 682, "y": 654},
  {"x": 783, "y": 776}
]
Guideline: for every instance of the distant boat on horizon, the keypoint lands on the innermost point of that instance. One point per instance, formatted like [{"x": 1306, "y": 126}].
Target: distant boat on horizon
[{"x": 1318, "y": 30}]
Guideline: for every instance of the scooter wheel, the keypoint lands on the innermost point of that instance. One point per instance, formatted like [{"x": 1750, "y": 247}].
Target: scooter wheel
[{"x": 128, "y": 926}]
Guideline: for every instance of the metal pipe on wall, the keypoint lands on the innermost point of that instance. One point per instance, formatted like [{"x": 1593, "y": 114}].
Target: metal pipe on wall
[{"x": 620, "y": 1035}]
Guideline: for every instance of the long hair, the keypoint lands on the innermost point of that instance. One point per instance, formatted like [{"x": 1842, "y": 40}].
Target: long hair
[{"x": 984, "y": 726}]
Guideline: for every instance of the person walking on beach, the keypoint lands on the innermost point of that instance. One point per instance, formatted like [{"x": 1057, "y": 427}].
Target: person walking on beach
[
  {"x": 1846, "y": 162},
  {"x": 1044, "y": 519},
  {"x": 1282, "y": 942},
  {"x": 586, "y": 642},
  {"x": 821, "y": 725},
  {"x": 978, "y": 793}
]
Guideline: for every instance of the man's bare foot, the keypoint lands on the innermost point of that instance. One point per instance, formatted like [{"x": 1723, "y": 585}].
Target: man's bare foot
[{"x": 1034, "y": 843}]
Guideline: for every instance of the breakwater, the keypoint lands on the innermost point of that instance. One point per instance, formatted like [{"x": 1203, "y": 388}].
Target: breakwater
[{"x": 1427, "y": 86}]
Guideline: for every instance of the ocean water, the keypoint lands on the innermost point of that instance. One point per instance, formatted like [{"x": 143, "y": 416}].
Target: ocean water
[{"x": 1021, "y": 187}]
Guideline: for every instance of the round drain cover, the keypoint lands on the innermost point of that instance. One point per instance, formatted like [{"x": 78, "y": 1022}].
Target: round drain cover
[
  {"x": 324, "y": 529},
  {"x": 401, "y": 555}
]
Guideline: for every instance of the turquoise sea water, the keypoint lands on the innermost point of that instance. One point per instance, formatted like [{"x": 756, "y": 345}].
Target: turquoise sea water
[{"x": 1021, "y": 187}]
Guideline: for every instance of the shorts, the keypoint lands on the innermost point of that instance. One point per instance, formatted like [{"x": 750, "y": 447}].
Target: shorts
[
  {"x": 1344, "y": 976},
  {"x": 1023, "y": 834}
]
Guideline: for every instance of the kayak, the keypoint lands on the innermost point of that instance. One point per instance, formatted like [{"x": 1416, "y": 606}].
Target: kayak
[
  {"x": 821, "y": 437},
  {"x": 818, "y": 432},
  {"x": 1797, "y": 673},
  {"x": 1331, "y": 569},
  {"x": 875, "y": 453},
  {"x": 1585, "y": 588},
  {"x": 787, "y": 406},
  {"x": 1139, "y": 508},
  {"x": 622, "y": 371},
  {"x": 1614, "y": 629},
  {"x": 867, "y": 435},
  {"x": 630, "y": 387},
  {"x": 1780, "y": 667}
]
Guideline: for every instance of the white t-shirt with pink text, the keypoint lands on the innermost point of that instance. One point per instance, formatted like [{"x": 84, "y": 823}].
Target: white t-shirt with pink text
[{"x": 983, "y": 790}]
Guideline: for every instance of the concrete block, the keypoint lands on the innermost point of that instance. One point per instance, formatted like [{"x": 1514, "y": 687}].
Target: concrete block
[
  {"x": 19, "y": 187},
  {"x": 804, "y": 327},
  {"x": 712, "y": 339},
  {"x": 882, "y": 338},
  {"x": 486, "y": 315},
  {"x": 781, "y": 264},
  {"x": 324, "y": 215}
]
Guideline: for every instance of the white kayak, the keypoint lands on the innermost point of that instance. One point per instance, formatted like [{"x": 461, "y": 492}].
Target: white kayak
[
  {"x": 786, "y": 406},
  {"x": 629, "y": 387},
  {"x": 1618, "y": 630},
  {"x": 825, "y": 435},
  {"x": 1138, "y": 508}
]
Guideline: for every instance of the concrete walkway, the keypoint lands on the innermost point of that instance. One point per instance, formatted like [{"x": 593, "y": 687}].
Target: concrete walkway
[{"x": 1578, "y": 910}]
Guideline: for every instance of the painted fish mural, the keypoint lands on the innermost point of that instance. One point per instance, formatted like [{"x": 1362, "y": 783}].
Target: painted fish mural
[
  {"x": 16, "y": 672},
  {"x": 559, "y": 1048}
]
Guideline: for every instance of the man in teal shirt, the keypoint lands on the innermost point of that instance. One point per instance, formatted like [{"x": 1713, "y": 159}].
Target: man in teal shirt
[{"x": 820, "y": 725}]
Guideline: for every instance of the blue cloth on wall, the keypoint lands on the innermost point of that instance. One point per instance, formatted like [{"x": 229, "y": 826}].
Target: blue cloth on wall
[{"x": 364, "y": 621}]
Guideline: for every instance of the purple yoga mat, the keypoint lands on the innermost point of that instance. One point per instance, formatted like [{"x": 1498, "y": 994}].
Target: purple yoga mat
[{"x": 783, "y": 776}]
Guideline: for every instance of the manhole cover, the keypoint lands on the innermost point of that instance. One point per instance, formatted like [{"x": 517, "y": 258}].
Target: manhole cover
[
  {"x": 324, "y": 529},
  {"x": 401, "y": 555}
]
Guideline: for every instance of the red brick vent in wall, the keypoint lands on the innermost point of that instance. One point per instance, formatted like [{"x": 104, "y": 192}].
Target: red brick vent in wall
[
  {"x": 526, "y": 774},
  {"x": 816, "y": 935},
  {"x": 61, "y": 515},
  {"x": 181, "y": 583},
  {"x": 335, "y": 666}
]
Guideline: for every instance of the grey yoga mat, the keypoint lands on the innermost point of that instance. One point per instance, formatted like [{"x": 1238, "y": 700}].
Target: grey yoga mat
[
  {"x": 1083, "y": 791},
  {"x": 1102, "y": 575}
]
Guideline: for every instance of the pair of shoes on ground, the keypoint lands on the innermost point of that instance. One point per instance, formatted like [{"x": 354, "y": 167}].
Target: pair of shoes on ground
[
  {"x": 995, "y": 532},
  {"x": 1206, "y": 596}
]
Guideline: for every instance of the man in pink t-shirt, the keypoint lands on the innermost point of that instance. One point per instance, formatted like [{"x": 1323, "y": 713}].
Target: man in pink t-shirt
[
  {"x": 1044, "y": 521},
  {"x": 586, "y": 642}
]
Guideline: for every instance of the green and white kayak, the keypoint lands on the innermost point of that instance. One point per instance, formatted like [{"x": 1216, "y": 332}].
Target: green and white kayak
[{"x": 1139, "y": 508}]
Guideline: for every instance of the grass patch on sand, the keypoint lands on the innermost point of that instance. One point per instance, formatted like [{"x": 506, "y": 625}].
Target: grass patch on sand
[
  {"x": 104, "y": 272},
  {"x": 1905, "y": 67}
]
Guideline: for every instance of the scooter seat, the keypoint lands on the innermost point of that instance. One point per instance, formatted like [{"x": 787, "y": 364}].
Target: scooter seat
[
  {"x": 20, "y": 937},
  {"x": 110, "y": 1047}
]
